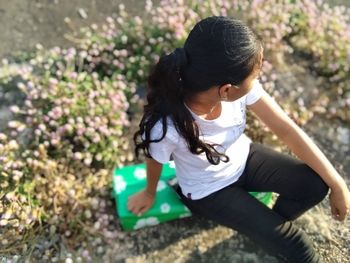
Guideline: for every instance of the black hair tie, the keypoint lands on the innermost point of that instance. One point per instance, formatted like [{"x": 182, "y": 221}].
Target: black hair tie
[{"x": 180, "y": 58}]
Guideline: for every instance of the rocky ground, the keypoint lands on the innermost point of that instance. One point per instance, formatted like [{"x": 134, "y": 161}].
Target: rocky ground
[
  {"x": 23, "y": 23},
  {"x": 195, "y": 239}
]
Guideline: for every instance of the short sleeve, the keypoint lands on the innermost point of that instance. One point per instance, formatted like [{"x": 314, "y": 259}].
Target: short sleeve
[
  {"x": 161, "y": 151},
  {"x": 255, "y": 93}
]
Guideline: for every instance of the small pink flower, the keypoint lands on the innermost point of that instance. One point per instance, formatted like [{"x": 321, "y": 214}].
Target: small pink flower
[
  {"x": 61, "y": 130},
  {"x": 85, "y": 253},
  {"x": 78, "y": 155},
  {"x": 96, "y": 139},
  {"x": 14, "y": 109},
  {"x": 81, "y": 131}
]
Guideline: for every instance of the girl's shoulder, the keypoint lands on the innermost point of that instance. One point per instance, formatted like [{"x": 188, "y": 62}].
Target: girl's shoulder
[
  {"x": 169, "y": 123},
  {"x": 171, "y": 131},
  {"x": 255, "y": 93}
]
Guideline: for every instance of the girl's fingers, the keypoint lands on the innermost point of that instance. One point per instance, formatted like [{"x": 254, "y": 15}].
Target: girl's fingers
[
  {"x": 133, "y": 208},
  {"x": 130, "y": 205},
  {"x": 342, "y": 215},
  {"x": 334, "y": 211},
  {"x": 139, "y": 210},
  {"x": 143, "y": 210},
  {"x": 338, "y": 214}
]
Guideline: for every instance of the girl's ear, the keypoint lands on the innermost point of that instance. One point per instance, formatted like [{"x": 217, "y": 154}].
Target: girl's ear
[
  {"x": 225, "y": 88},
  {"x": 224, "y": 91}
]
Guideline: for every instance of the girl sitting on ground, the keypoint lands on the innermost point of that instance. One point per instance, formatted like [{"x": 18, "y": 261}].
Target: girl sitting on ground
[{"x": 196, "y": 114}]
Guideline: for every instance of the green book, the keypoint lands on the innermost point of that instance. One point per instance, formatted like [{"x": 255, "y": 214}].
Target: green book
[{"x": 167, "y": 206}]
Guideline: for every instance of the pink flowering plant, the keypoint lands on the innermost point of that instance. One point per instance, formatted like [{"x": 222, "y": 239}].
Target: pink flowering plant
[
  {"x": 128, "y": 46},
  {"x": 18, "y": 210},
  {"x": 319, "y": 27},
  {"x": 78, "y": 117}
]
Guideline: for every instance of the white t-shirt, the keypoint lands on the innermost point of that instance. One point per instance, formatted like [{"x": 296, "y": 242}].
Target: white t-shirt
[{"x": 195, "y": 175}]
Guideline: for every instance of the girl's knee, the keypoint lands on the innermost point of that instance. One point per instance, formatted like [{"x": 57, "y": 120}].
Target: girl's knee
[
  {"x": 323, "y": 188},
  {"x": 317, "y": 186}
]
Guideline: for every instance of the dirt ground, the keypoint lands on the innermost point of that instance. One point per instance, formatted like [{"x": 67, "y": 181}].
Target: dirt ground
[{"x": 25, "y": 23}]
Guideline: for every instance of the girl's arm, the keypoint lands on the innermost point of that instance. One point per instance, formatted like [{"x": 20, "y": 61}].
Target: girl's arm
[
  {"x": 301, "y": 144},
  {"x": 140, "y": 202},
  {"x": 154, "y": 170}
]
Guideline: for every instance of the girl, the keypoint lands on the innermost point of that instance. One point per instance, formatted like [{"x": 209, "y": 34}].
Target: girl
[{"x": 196, "y": 111}]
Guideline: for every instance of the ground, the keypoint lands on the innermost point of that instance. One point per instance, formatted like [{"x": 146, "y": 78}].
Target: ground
[{"x": 25, "y": 23}]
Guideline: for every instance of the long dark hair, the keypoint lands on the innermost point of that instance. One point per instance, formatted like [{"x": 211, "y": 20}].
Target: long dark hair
[{"x": 218, "y": 50}]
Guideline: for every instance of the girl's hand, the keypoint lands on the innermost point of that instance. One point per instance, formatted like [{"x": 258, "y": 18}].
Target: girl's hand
[
  {"x": 339, "y": 199},
  {"x": 140, "y": 202}
]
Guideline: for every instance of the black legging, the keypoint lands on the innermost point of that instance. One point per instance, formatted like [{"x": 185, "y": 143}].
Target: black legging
[{"x": 299, "y": 188}]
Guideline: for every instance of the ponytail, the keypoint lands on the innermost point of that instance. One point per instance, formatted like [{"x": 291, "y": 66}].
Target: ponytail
[{"x": 165, "y": 98}]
